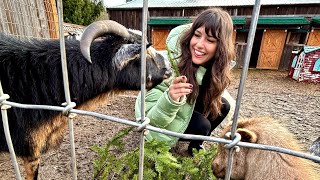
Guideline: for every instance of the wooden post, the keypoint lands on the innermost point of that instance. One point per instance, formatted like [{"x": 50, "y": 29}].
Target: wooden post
[{"x": 52, "y": 16}]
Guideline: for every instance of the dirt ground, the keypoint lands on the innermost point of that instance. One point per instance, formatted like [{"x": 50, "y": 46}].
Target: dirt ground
[{"x": 266, "y": 93}]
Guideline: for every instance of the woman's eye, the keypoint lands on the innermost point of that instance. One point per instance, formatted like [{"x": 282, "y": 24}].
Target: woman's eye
[
  {"x": 197, "y": 35},
  {"x": 212, "y": 40}
]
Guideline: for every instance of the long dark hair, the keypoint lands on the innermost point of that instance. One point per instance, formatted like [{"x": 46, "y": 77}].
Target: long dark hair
[{"x": 217, "y": 78}]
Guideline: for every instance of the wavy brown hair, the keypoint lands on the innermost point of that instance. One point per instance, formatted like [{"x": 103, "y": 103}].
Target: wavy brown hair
[{"x": 217, "y": 77}]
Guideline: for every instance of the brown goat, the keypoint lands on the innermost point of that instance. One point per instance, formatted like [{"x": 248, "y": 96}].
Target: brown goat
[{"x": 255, "y": 164}]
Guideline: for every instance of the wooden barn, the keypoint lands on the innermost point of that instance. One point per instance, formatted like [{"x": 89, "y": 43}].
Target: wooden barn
[
  {"x": 305, "y": 65},
  {"x": 283, "y": 26}
]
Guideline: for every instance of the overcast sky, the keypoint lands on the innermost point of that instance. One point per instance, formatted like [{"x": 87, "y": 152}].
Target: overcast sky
[{"x": 109, "y": 3}]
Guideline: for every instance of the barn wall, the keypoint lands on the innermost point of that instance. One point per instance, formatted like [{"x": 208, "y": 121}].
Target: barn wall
[
  {"x": 294, "y": 42},
  {"x": 287, "y": 56},
  {"x": 240, "y": 53},
  {"x": 132, "y": 19}
]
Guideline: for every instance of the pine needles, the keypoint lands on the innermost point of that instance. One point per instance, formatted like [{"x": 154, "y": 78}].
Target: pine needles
[
  {"x": 173, "y": 62},
  {"x": 114, "y": 162}
]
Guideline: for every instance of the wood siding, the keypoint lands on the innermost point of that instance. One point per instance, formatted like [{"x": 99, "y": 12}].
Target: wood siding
[
  {"x": 240, "y": 50},
  {"x": 286, "y": 58},
  {"x": 132, "y": 17}
]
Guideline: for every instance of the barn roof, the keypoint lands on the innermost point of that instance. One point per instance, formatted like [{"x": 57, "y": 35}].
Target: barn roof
[
  {"x": 206, "y": 3},
  {"x": 316, "y": 19},
  {"x": 286, "y": 20},
  {"x": 282, "y": 20}
]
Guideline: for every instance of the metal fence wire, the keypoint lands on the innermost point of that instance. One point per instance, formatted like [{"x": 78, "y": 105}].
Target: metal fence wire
[{"x": 20, "y": 28}]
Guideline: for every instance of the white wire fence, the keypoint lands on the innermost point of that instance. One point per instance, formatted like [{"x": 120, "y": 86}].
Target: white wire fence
[{"x": 68, "y": 109}]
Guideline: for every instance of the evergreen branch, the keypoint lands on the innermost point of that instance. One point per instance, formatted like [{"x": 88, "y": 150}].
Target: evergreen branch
[
  {"x": 173, "y": 62},
  {"x": 159, "y": 162}
]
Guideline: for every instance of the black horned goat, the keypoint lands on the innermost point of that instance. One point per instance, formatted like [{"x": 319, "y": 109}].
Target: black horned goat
[{"x": 31, "y": 73}]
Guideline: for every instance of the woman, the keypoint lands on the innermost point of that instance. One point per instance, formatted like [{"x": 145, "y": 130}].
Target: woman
[{"x": 191, "y": 103}]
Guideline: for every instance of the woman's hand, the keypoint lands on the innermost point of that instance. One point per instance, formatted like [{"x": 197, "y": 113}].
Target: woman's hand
[{"x": 179, "y": 87}]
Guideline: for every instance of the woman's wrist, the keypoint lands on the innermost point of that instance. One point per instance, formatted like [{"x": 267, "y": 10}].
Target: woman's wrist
[{"x": 180, "y": 100}]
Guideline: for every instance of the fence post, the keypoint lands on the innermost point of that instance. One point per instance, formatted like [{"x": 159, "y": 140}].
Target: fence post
[
  {"x": 69, "y": 105},
  {"x": 143, "y": 83},
  {"x": 252, "y": 31},
  {"x": 4, "y": 114}
]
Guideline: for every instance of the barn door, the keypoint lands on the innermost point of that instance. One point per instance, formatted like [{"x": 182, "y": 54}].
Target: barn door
[
  {"x": 314, "y": 38},
  {"x": 159, "y": 37},
  {"x": 271, "y": 49}
]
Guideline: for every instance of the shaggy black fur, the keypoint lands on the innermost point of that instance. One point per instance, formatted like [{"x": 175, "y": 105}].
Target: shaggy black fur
[{"x": 31, "y": 73}]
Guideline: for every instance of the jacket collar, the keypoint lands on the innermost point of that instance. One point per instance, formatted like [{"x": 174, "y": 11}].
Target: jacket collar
[{"x": 200, "y": 73}]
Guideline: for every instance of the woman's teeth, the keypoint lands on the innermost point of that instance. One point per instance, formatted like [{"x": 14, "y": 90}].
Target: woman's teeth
[{"x": 198, "y": 53}]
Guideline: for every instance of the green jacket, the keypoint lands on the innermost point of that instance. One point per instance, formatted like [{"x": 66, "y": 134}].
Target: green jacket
[
  {"x": 162, "y": 111},
  {"x": 165, "y": 113}
]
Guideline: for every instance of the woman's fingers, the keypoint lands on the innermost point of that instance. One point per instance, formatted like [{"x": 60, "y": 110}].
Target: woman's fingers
[
  {"x": 179, "y": 87},
  {"x": 180, "y": 79}
]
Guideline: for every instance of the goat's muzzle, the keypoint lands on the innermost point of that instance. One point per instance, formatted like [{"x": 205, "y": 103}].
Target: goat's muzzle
[{"x": 167, "y": 74}]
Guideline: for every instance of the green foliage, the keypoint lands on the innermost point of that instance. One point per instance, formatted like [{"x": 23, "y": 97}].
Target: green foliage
[
  {"x": 114, "y": 162},
  {"x": 82, "y": 12},
  {"x": 173, "y": 62}
]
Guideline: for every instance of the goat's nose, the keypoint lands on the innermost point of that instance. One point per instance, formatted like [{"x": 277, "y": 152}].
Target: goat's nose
[{"x": 167, "y": 73}]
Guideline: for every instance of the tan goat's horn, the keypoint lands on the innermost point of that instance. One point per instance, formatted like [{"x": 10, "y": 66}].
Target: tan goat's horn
[{"x": 97, "y": 29}]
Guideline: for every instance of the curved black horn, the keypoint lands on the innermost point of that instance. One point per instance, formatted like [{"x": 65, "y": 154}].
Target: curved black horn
[{"x": 97, "y": 29}]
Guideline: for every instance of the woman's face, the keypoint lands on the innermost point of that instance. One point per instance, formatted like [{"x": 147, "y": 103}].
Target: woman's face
[{"x": 202, "y": 46}]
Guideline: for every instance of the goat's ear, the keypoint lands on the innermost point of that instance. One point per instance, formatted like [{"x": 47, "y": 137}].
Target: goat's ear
[
  {"x": 247, "y": 135},
  {"x": 148, "y": 45}
]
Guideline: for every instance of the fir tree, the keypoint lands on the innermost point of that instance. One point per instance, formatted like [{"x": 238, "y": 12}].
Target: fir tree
[{"x": 82, "y": 12}]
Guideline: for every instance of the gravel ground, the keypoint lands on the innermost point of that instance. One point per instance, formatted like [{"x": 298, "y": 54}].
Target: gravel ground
[{"x": 266, "y": 93}]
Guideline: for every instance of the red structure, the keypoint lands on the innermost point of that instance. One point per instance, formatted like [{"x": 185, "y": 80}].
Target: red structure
[{"x": 306, "y": 65}]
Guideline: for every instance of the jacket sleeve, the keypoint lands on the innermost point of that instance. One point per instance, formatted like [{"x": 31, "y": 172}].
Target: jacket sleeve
[{"x": 159, "y": 107}]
